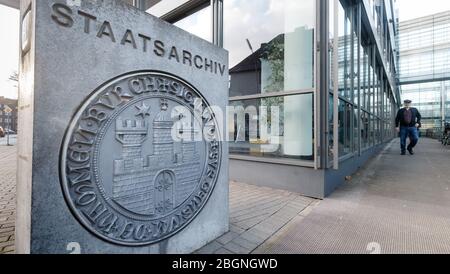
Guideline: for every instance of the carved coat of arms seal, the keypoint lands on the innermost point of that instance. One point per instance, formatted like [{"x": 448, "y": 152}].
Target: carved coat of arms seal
[{"x": 124, "y": 175}]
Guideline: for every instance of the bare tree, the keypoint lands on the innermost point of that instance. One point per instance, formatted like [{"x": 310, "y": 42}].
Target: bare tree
[{"x": 14, "y": 77}]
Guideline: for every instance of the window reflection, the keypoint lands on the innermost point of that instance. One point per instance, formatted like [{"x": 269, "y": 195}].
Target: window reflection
[
  {"x": 276, "y": 127},
  {"x": 347, "y": 119},
  {"x": 365, "y": 125},
  {"x": 271, "y": 46}
]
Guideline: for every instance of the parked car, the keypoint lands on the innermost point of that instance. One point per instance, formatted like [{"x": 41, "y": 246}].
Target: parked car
[{"x": 2, "y": 132}]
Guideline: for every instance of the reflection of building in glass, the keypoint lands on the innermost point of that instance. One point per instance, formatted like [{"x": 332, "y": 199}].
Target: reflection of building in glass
[
  {"x": 424, "y": 45},
  {"x": 161, "y": 181},
  {"x": 282, "y": 64},
  {"x": 272, "y": 67},
  {"x": 337, "y": 94}
]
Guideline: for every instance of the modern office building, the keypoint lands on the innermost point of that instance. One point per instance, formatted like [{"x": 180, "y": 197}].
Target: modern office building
[
  {"x": 330, "y": 71},
  {"x": 313, "y": 88},
  {"x": 424, "y": 68}
]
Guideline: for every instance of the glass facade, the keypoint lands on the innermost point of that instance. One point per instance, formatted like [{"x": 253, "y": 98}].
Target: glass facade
[
  {"x": 366, "y": 98},
  {"x": 276, "y": 92},
  {"x": 433, "y": 101},
  {"x": 270, "y": 127},
  {"x": 424, "y": 48},
  {"x": 424, "y": 70},
  {"x": 272, "y": 52}
]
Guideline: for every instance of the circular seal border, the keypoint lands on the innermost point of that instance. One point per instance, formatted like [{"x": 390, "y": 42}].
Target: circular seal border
[{"x": 67, "y": 137}]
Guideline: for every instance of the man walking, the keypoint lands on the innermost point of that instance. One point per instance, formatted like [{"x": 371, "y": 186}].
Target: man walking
[{"x": 408, "y": 122}]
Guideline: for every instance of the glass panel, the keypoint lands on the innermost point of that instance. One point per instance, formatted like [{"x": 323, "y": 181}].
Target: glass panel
[
  {"x": 371, "y": 97},
  {"x": 380, "y": 137},
  {"x": 365, "y": 89},
  {"x": 331, "y": 136},
  {"x": 271, "y": 45},
  {"x": 331, "y": 55},
  {"x": 427, "y": 98},
  {"x": 270, "y": 127},
  {"x": 345, "y": 54},
  {"x": 355, "y": 56},
  {"x": 356, "y": 133},
  {"x": 332, "y": 42},
  {"x": 372, "y": 127},
  {"x": 199, "y": 23},
  {"x": 424, "y": 49},
  {"x": 365, "y": 124},
  {"x": 379, "y": 96},
  {"x": 375, "y": 93},
  {"x": 345, "y": 128}
]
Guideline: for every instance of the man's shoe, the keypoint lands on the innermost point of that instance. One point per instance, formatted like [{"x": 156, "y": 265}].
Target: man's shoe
[
  {"x": 411, "y": 151},
  {"x": 403, "y": 153}
]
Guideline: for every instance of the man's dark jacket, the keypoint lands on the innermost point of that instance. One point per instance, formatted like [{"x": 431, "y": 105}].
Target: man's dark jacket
[{"x": 416, "y": 118}]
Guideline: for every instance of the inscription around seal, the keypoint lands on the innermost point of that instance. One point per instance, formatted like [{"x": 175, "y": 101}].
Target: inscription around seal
[{"x": 124, "y": 175}]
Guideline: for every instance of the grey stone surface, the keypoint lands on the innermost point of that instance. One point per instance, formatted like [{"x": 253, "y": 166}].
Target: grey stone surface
[
  {"x": 209, "y": 248},
  {"x": 70, "y": 56},
  {"x": 237, "y": 249},
  {"x": 245, "y": 243},
  {"x": 226, "y": 238},
  {"x": 223, "y": 251}
]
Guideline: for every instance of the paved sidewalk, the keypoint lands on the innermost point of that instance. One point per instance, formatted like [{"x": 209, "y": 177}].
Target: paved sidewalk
[
  {"x": 256, "y": 214},
  {"x": 7, "y": 198},
  {"x": 397, "y": 204}
]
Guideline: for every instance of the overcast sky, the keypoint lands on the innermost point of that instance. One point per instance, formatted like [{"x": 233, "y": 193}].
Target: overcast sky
[
  {"x": 9, "y": 50},
  {"x": 9, "y": 30}
]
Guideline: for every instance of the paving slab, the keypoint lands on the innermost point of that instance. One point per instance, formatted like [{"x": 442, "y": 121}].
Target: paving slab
[{"x": 394, "y": 205}]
